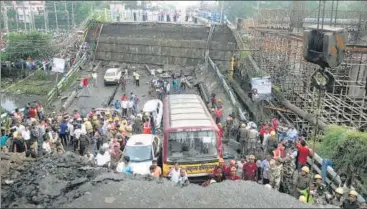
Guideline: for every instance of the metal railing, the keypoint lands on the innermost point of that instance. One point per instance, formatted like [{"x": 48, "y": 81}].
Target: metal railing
[
  {"x": 75, "y": 68},
  {"x": 228, "y": 90}
]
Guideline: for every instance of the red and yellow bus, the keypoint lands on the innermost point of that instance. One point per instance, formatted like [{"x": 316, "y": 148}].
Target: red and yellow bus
[{"x": 191, "y": 137}]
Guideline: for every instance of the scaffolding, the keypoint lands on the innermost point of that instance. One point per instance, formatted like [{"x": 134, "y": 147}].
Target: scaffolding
[{"x": 280, "y": 55}]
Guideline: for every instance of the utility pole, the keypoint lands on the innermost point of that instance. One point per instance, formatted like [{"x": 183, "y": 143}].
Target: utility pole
[
  {"x": 5, "y": 16},
  {"x": 67, "y": 15},
  {"x": 221, "y": 11},
  {"x": 57, "y": 23},
  {"x": 31, "y": 18},
  {"x": 17, "y": 20},
  {"x": 45, "y": 18},
  {"x": 24, "y": 17},
  {"x": 72, "y": 14}
]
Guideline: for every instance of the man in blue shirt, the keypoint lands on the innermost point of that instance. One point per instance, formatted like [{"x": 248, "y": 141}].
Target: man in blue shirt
[
  {"x": 128, "y": 169},
  {"x": 63, "y": 133},
  {"x": 4, "y": 138},
  {"x": 118, "y": 106}
]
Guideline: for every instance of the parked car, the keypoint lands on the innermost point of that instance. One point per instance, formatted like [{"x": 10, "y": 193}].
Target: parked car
[
  {"x": 155, "y": 107},
  {"x": 112, "y": 76},
  {"x": 142, "y": 150}
]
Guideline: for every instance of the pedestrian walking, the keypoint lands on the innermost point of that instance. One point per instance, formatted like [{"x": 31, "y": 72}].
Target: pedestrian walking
[
  {"x": 137, "y": 78},
  {"x": 85, "y": 87},
  {"x": 94, "y": 76}
]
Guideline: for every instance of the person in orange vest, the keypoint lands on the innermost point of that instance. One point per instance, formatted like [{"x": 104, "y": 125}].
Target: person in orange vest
[
  {"x": 146, "y": 128},
  {"x": 279, "y": 152}
]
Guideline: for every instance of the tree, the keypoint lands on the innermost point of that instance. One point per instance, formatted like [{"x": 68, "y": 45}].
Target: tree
[
  {"x": 239, "y": 9},
  {"x": 347, "y": 149},
  {"x": 34, "y": 44}
]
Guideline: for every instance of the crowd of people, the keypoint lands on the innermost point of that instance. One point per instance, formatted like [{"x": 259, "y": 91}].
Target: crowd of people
[
  {"x": 271, "y": 154},
  {"x": 275, "y": 154}
]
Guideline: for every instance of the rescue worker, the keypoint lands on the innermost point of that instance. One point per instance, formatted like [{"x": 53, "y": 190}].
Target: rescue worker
[
  {"x": 138, "y": 124},
  {"x": 288, "y": 170},
  {"x": 252, "y": 139},
  {"x": 128, "y": 130},
  {"x": 269, "y": 142},
  {"x": 96, "y": 123},
  {"x": 146, "y": 127},
  {"x": 275, "y": 173},
  {"x": 83, "y": 144},
  {"x": 249, "y": 169},
  {"x": 242, "y": 138},
  {"x": 351, "y": 202},
  {"x": 338, "y": 199},
  {"x": 228, "y": 126},
  {"x": 88, "y": 127},
  {"x": 302, "y": 199},
  {"x": 302, "y": 180},
  {"x": 320, "y": 194}
]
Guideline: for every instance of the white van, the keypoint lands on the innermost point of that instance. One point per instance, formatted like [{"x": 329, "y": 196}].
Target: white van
[
  {"x": 154, "y": 106},
  {"x": 142, "y": 150}
]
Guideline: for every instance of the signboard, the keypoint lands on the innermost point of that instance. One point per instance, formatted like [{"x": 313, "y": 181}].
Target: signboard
[
  {"x": 58, "y": 65},
  {"x": 261, "y": 88}
]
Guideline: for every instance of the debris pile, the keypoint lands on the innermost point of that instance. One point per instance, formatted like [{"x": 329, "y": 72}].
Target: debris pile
[{"x": 70, "y": 181}]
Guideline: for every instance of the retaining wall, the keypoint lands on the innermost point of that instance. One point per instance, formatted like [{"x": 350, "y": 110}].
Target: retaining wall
[{"x": 162, "y": 44}]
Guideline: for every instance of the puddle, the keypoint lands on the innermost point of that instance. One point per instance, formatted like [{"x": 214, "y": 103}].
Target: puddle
[{"x": 9, "y": 101}]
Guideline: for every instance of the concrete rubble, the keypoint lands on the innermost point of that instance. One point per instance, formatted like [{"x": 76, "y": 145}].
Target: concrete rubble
[{"x": 70, "y": 181}]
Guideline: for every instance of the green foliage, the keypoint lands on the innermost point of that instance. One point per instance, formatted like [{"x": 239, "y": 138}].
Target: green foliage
[
  {"x": 4, "y": 56},
  {"x": 347, "y": 149},
  {"x": 34, "y": 44},
  {"x": 40, "y": 75}
]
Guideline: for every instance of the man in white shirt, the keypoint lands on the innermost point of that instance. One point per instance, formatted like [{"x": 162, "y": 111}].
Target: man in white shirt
[
  {"x": 174, "y": 173},
  {"x": 77, "y": 132},
  {"x": 124, "y": 106},
  {"x": 46, "y": 146},
  {"x": 26, "y": 135},
  {"x": 94, "y": 77},
  {"x": 20, "y": 128},
  {"x": 71, "y": 130}
]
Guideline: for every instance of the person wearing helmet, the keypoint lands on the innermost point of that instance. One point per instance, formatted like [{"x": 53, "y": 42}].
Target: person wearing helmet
[
  {"x": 302, "y": 199},
  {"x": 88, "y": 127},
  {"x": 337, "y": 199},
  {"x": 302, "y": 180},
  {"x": 351, "y": 202},
  {"x": 320, "y": 195},
  {"x": 243, "y": 138},
  {"x": 228, "y": 126}
]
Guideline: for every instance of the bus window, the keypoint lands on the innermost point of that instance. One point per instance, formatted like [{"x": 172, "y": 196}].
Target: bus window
[{"x": 192, "y": 144}]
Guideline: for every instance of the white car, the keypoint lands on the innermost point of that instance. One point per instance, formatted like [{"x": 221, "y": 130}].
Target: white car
[
  {"x": 155, "y": 107},
  {"x": 112, "y": 76},
  {"x": 142, "y": 150}
]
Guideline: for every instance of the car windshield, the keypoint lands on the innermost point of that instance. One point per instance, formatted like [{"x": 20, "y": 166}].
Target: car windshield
[
  {"x": 187, "y": 144},
  {"x": 139, "y": 153},
  {"x": 110, "y": 74}
]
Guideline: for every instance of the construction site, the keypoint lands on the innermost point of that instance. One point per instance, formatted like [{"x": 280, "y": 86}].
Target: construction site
[{"x": 276, "y": 40}]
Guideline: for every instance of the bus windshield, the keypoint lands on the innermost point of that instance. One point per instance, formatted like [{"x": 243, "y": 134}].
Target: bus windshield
[{"x": 187, "y": 144}]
